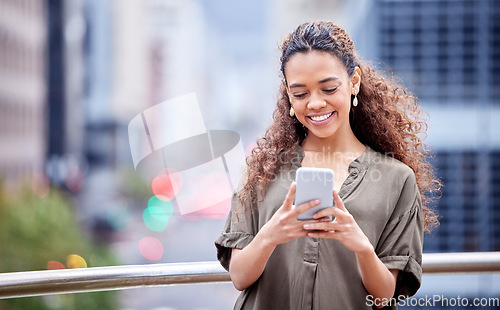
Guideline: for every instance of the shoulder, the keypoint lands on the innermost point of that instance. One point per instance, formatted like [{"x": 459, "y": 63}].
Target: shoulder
[
  {"x": 398, "y": 183},
  {"x": 389, "y": 166},
  {"x": 389, "y": 173}
]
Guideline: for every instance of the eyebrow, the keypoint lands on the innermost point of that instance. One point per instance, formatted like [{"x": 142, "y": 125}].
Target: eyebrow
[
  {"x": 333, "y": 78},
  {"x": 328, "y": 79},
  {"x": 297, "y": 85}
]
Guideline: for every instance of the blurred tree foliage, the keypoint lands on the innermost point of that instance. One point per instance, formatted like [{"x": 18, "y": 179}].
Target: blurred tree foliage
[
  {"x": 135, "y": 186},
  {"x": 35, "y": 230}
]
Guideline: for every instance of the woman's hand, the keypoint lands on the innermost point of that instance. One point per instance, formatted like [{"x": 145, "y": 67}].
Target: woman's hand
[
  {"x": 247, "y": 265},
  {"x": 379, "y": 281},
  {"x": 343, "y": 228},
  {"x": 284, "y": 225}
]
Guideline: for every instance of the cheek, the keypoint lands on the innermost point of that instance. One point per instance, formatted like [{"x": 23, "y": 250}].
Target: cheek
[
  {"x": 298, "y": 106},
  {"x": 299, "y": 111},
  {"x": 346, "y": 102},
  {"x": 347, "y": 105}
]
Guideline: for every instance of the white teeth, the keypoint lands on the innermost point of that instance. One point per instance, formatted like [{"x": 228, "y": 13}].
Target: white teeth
[{"x": 321, "y": 118}]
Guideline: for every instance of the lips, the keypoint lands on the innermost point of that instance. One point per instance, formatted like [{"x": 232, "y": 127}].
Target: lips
[{"x": 321, "y": 119}]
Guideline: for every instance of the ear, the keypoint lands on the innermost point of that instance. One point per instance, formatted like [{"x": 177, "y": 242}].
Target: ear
[{"x": 356, "y": 78}]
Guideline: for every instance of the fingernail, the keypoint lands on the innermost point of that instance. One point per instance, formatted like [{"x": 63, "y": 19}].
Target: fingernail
[{"x": 306, "y": 226}]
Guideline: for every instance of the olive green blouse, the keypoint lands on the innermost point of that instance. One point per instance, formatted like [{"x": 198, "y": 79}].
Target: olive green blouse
[{"x": 309, "y": 273}]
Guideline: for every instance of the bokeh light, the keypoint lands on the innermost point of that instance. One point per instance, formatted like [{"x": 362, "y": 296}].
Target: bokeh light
[
  {"x": 53, "y": 265},
  {"x": 158, "y": 213},
  {"x": 209, "y": 196},
  {"x": 217, "y": 211},
  {"x": 210, "y": 190},
  {"x": 167, "y": 184},
  {"x": 151, "y": 248},
  {"x": 75, "y": 261}
]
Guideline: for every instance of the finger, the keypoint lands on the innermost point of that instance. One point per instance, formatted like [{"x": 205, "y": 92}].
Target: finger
[
  {"x": 320, "y": 220},
  {"x": 332, "y": 211},
  {"x": 338, "y": 202},
  {"x": 324, "y": 234},
  {"x": 324, "y": 219},
  {"x": 301, "y": 223},
  {"x": 330, "y": 226},
  {"x": 306, "y": 206},
  {"x": 339, "y": 214},
  {"x": 327, "y": 212},
  {"x": 288, "y": 203}
]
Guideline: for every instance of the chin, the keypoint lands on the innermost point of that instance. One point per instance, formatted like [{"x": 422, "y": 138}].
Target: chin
[{"x": 323, "y": 135}]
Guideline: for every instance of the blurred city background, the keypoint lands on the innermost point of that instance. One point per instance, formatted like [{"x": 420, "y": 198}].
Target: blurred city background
[{"x": 74, "y": 73}]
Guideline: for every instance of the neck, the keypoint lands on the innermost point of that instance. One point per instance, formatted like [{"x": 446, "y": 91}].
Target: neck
[{"x": 342, "y": 142}]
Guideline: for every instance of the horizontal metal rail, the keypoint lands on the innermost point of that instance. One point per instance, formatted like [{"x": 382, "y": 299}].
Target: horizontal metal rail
[
  {"x": 49, "y": 282},
  {"x": 469, "y": 262}
]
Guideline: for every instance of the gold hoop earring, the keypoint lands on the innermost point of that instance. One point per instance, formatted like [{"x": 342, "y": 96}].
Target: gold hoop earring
[
  {"x": 355, "y": 101},
  {"x": 292, "y": 112}
]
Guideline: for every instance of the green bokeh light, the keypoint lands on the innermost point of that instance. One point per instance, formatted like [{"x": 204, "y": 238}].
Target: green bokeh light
[{"x": 158, "y": 213}]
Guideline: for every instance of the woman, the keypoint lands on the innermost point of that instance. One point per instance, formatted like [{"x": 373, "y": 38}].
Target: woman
[{"x": 333, "y": 112}]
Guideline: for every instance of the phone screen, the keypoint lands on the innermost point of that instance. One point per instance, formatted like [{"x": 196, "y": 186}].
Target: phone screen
[{"x": 314, "y": 183}]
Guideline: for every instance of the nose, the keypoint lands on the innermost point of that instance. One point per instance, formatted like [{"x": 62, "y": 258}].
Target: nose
[{"x": 316, "y": 102}]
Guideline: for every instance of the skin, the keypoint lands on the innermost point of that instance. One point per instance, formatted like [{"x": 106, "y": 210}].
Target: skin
[{"x": 318, "y": 84}]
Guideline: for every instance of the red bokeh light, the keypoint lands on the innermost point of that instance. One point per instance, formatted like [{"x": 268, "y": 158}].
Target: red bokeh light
[
  {"x": 151, "y": 248},
  {"x": 53, "y": 265},
  {"x": 167, "y": 184}
]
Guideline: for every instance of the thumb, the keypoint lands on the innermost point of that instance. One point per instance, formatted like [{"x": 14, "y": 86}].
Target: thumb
[
  {"x": 338, "y": 202},
  {"x": 288, "y": 203}
]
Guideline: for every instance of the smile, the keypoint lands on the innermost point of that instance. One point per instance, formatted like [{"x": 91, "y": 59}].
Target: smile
[{"x": 321, "y": 118}]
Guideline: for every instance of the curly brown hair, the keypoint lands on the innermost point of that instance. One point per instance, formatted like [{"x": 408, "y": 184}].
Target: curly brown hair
[{"x": 388, "y": 119}]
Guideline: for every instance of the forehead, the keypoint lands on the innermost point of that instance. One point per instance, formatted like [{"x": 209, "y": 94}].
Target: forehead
[{"x": 314, "y": 65}]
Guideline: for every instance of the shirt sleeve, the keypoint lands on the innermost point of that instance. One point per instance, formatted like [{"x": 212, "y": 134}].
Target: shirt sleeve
[
  {"x": 238, "y": 231},
  {"x": 401, "y": 242}
]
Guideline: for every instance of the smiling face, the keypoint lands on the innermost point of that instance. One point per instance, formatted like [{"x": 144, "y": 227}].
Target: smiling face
[{"x": 320, "y": 90}]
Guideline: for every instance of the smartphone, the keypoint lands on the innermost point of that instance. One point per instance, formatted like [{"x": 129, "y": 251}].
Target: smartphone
[{"x": 314, "y": 183}]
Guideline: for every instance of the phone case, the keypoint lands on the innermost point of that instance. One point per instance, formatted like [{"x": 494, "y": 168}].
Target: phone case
[{"x": 314, "y": 183}]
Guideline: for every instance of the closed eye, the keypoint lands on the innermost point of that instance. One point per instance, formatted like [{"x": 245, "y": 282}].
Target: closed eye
[
  {"x": 299, "y": 95},
  {"x": 330, "y": 90}
]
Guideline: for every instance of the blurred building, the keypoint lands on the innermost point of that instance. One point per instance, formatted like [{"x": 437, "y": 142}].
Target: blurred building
[
  {"x": 65, "y": 165},
  {"x": 99, "y": 125},
  {"x": 178, "y": 48},
  {"x": 42, "y": 124},
  {"x": 137, "y": 54},
  {"x": 23, "y": 42},
  {"x": 448, "y": 53},
  {"x": 239, "y": 65},
  {"x": 117, "y": 78}
]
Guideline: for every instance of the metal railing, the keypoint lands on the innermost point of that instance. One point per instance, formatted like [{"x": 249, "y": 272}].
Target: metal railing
[{"x": 48, "y": 282}]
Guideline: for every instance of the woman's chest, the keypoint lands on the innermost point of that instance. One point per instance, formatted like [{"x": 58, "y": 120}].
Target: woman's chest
[{"x": 337, "y": 162}]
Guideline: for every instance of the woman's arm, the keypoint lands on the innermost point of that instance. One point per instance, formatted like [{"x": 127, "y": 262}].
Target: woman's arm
[
  {"x": 247, "y": 265},
  {"x": 379, "y": 281}
]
